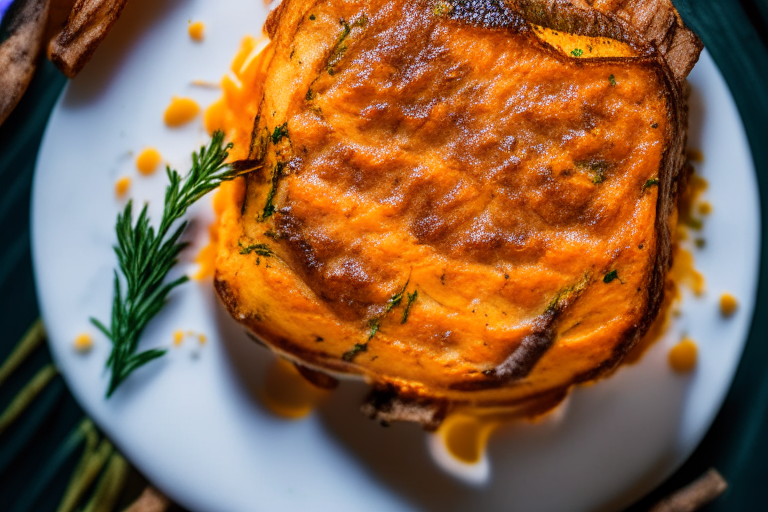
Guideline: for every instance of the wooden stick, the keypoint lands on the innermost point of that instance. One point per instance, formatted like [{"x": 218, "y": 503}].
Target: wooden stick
[
  {"x": 19, "y": 51},
  {"x": 150, "y": 501},
  {"x": 695, "y": 495},
  {"x": 87, "y": 25}
]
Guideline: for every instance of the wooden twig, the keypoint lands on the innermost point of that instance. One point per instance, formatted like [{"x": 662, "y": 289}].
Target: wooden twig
[
  {"x": 151, "y": 500},
  {"x": 33, "y": 339},
  {"x": 695, "y": 495},
  {"x": 19, "y": 50},
  {"x": 87, "y": 26}
]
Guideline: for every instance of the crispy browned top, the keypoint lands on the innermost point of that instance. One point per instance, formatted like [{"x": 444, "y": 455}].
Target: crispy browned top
[{"x": 447, "y": 150}]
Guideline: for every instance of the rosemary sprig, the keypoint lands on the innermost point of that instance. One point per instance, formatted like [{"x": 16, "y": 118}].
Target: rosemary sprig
[{"x": 146, "y": 256}]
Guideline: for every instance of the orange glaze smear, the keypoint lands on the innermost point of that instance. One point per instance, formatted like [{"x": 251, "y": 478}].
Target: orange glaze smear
[
  {"x": 287, "y": 394},
  {"x": 148, "y": 160},
  {"x": 181, "y": 111},
  {"x": 196, "y": 31}
]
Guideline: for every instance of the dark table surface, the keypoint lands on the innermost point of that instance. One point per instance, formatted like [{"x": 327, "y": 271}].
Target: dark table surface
[{"x": 736, "y": 34}]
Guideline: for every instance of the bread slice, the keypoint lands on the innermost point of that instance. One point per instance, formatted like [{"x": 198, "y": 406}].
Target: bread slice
[{"x": 468, "y": 203}]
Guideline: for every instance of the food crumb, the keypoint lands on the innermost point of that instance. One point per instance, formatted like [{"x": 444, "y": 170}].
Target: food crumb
[
  {"x": 148, "y": 160},
  {"x": 83, "y": 343},
  {"x": 122, "y": 186},
  {"x": 683, "y": 356},
  {"x": 705, "y": 208},
  {"x": 181, "y": 111},
  {"x": 203, "y": 339},
  {"x": 197, "y": 31},
  {"x": 178, "y": 338},
  {"x": 728, "y": 304}
]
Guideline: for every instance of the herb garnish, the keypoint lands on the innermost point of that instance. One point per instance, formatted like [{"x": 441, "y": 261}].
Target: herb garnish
[
  {"x": 612, "y": 80},
  {"x": 280, "y": 133},
  {"x": 411, "y": 299},
  {"x": 374, "y": 324},
  {"x": 611, "y": 276},
  {"x": 312, "y": 17},
  {"x": 577, "y": 52},
  {"x": 598, "y": 169},
  {"x": 349, "y": 356},
  {"x": 260, "y": 249},
  {"x": 146, "y": 256},
  {"x": 269, "y": 206},
  {"x": 650, "y": 183}
]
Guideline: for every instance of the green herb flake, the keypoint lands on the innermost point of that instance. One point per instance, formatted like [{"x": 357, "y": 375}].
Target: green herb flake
[
  {"x": 339, "y": 48},
  {"x": 612, "y": 80},
  {"x": 356, "y": 350},
  {"x": 312, "y": 17},
  {"x": 269, "y": 206},
  {"x": 281, "y": 132},
  {"x": 655, "y": 125},
  {"x": 310, "y": 95},
  {"x": 611, "y": 276},
  {"x": 650, "y": 183},
  {"x": 577, "y": 52},
  {"x": 700, "y": 243},
  {"x": 361, "y": 21},
  {"x": 411, "y": 299},
  {"x": 260, "y": 249}
]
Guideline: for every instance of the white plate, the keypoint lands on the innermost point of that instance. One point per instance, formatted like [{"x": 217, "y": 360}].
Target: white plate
[{"x": 191, "y": 423}]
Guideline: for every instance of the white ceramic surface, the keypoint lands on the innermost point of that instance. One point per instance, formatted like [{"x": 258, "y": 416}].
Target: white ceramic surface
[{"x": 191, "y": 421}]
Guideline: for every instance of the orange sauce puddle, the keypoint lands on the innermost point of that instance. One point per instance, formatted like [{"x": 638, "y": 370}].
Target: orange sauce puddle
[
  {"x": 148, "y": 160},
  {"x": 287, "y": 394},
  {"x": 683, "y": 356},
  {"x": 83, "y": 343},
  {"x": 122, "y": 186},
  {"x": 196, "y": 31},
  {"x": 181, "y": 111}
]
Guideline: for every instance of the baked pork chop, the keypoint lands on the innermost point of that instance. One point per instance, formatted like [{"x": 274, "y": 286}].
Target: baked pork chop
[{"x": 468, "y": 203}]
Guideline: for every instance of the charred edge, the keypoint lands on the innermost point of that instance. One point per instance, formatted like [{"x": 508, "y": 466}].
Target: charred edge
[
  {"x": 562, "y": 15},
  {"x": 485, "y": 13},
  {"x": 318, "y": 379},
  {"x": 384, "y": 404}
]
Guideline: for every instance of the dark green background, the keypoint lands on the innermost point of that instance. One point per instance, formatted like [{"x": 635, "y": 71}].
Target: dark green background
[{"x": 734, "y": 31}]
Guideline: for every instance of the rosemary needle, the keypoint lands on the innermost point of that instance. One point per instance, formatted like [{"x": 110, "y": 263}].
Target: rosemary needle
[{"x": 146, "y": 256}]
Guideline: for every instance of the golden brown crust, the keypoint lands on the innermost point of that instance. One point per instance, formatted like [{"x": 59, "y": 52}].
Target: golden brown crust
[
  {"x": 19, "y": 50},
  {"x": 525, "y": 223}
]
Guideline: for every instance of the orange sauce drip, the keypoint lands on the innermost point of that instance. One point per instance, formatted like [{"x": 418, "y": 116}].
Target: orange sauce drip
[
  {"x": 728, "y": 304},
  {"x": 83, "y": 343},
  {"x": 466, "y": 436},
  {"x": 196, "y": 31},
  {"x": 287, "y": 394},
  {"x": 181, "y": 111},
  {"x": 148, "y": 160},
  {"x": 683, "y": 356},
  {"x": 122, "y": 186}
]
